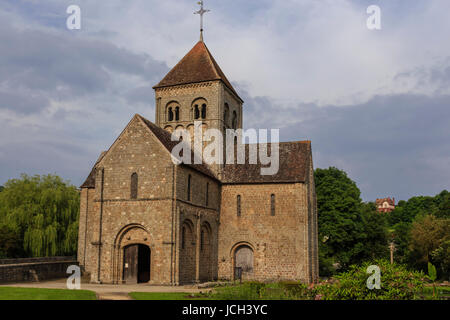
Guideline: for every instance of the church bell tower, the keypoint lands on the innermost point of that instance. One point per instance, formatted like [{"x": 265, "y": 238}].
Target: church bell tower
[{"x": 196, "y": 89}]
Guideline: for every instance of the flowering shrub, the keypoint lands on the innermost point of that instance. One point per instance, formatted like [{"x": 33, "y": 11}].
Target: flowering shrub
[{"x": 397, "y": 283}]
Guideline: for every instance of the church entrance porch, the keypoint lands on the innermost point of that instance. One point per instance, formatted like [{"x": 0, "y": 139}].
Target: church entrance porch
[
  {"x": 133, "y": 255},
  {"x": 136, "y": 268}
]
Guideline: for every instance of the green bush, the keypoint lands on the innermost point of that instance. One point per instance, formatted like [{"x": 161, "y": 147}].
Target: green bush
[{"x": 397, "y": 283}]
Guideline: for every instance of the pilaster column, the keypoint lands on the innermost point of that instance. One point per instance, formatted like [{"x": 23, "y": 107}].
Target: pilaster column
[{"x": 197, "y": 249}]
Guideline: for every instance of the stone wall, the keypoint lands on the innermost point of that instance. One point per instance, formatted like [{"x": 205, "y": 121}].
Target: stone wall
[
  {"x": 279, "y": 242},
  {"x": 34, "y": 269},
  {"x": 114, "y": 220},
  {"x": 197, "y": 259},
  {"x": 197, "y": 262}
]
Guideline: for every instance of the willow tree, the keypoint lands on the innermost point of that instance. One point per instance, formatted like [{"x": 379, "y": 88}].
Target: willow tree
[{"x": 43, "y": 211}]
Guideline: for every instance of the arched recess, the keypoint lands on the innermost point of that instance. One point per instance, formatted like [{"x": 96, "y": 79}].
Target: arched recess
[
  {"x": 206, "y": 252},
  {"x": 242, "y": 255},
  {"x": 187, "y": 252},
  {"x": 234, "y": 121},
  {"x": 226, "y": 115},
  {"x": 132, "y": 239},
  {"x": 179, "y": 128}
]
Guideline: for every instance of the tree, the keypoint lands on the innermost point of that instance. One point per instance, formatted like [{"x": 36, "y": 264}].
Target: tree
[
  {"x": 444, "y": 204},
  {"x": 428, "y": 233},
  {"x": 406, "y": 211},
  {"x": 43, "y": 212},
  {"x": 375, "y": 235},
  {"x": 11, "y": 245},
  {"x": 1, "y": 188},
  {"x": 349, "y": 231},
  {"x": 401, "y": 220},
  {"x": 401, "y": 236},
  {"x": 441, "y": 257},
  {"x": 398, "y": 215}
]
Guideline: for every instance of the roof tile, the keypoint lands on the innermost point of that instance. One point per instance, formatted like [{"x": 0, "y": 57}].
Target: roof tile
[{"x": 197, "y": 66}]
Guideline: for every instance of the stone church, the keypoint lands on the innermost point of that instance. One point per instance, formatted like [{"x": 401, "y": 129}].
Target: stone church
[{"x": 145, "y": 219}]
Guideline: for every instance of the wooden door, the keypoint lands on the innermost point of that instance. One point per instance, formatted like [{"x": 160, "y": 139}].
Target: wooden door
[
  {"x": 130, "y": 264},
  {"x": 244, "y": 260},
  {"x": 143, "y": 264}
]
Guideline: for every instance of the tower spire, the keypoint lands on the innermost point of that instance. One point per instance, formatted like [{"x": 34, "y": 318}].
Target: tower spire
[{"x": 201, "y": 12}]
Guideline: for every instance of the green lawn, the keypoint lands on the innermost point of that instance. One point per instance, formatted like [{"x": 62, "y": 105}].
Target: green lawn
[
  {"x": 14, "y": 293},
  {"x": 166, "y": 296}
]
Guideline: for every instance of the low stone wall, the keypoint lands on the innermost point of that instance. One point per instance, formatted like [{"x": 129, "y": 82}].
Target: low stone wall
[{"x": 34, "y": 269}]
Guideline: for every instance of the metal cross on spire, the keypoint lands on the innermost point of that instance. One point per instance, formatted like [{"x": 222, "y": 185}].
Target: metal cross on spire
[{"x": 201, "y": 12}]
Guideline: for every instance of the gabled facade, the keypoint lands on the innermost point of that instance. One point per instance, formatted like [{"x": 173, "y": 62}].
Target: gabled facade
[{"x": 144, "y": 218}]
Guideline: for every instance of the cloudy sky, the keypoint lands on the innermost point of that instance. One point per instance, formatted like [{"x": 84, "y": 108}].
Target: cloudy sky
[{"x": 375, "y": 103}]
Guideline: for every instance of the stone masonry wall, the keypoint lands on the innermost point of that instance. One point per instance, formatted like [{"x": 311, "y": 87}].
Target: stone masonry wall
[
  {"x": 34, "y": 269},
  {"x": 279, "y": 242},
  {"x": 135, "y": 151},
  {"x": 197, "y": 262}
]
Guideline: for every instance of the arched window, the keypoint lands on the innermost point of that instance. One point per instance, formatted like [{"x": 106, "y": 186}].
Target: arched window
[
  {"x": 199, "y": 108},
  {"x": 204, "y": 111},
  {"x": 234, "y": 121},
  {"x": 183, "y": 237},
  {"x": 196, "y": 112},
  {"x": 189, "y": 188},
  {"x": 238, "y": 209},
  {"x": 177, "y": 113},
  {"x": 170, "y": 114},
  {"x": 134, "y": 186},
  {"x": 202, "y": 239},
  {"x": 272, "y": 205}
]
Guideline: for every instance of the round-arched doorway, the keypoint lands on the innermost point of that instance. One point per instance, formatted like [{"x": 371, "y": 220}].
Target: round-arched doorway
[
  {"x": 136, "y": 263},
  {"x": 243, "y": 259}
]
